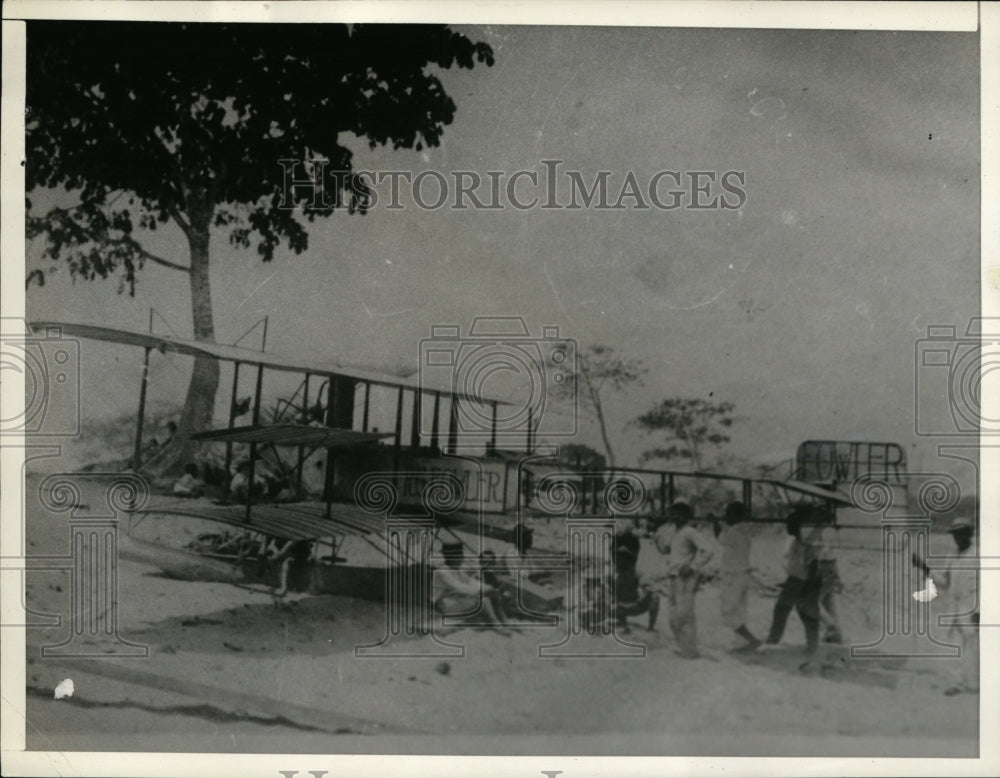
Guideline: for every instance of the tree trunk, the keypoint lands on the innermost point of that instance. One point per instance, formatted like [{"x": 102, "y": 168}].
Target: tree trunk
[
  {"x": 199, "y": 405},
  {"x": 604, "y": 436},
  {"x": 700, "y": 487},
  {"x": 598, "y": 408}
]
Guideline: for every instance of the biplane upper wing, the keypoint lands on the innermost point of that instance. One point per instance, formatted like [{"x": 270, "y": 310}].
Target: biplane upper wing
[
  {"x": 293, "y": 435},
  {"x": 226, "y": 353}
]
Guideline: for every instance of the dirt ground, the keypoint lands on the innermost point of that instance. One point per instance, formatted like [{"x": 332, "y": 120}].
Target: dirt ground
[{"x": 501, "y": 697}]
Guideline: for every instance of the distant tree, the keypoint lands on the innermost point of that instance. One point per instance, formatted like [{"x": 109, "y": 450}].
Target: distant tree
[
  {"x": 691, "y": 426},
  {"x": 581, "y": 456},
  {"x": 151, "y": 123},
  {"x": 601, "y": 371}
]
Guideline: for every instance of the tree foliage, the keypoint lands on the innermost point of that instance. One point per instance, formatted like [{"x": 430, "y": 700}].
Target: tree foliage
[
  {"x": 152, "y": 122},
  {"x": 690, "y": 425},
  {"x": 581, "y": 456}
]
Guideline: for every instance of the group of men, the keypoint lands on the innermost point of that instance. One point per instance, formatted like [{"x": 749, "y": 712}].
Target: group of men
[
  {"x": 810, "y": 588},
  {"x": 687, "y": 553},
  {"x": 458, "y": 591},
  {"x": 686, "y": 557},
  {"x": 482, "y": 597}
]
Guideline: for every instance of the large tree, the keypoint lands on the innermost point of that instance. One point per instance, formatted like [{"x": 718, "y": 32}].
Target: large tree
[{"x": 150, "y": 123}]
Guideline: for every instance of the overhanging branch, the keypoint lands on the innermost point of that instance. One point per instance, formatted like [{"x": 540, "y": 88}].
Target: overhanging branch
[{"x": 158, "y": 260}]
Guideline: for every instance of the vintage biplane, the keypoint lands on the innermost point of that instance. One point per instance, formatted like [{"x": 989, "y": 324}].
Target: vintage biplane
[{"x": 329, "y": 416}]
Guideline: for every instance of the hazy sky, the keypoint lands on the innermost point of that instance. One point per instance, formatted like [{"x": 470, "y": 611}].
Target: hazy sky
[{"x": 861, "y": 227}]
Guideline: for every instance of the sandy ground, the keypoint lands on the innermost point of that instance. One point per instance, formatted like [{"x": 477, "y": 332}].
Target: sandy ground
[{"x": 499, "y": 698}]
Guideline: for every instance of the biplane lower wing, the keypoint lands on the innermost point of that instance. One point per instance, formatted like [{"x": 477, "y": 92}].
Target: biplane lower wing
[{"x": 293, "y": 521}]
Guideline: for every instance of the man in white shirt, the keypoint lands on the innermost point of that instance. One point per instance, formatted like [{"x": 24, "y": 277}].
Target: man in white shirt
[
  {"x": 687, "y": 555},
  {"x": 957, "y": 579},
  {"x": 800, "y": 591},
  {"x": 735, "y": 541},
  {"x": 458, "y": 592}
]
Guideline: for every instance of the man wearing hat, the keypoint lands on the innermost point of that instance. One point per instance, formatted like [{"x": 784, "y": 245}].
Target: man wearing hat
[
  {"x": 735, "y": 541},
  {"x": 687, "y": 554},
  {"x": 957, "y": 580}
]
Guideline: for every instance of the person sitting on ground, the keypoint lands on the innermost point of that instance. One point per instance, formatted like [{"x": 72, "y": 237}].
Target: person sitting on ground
[
  {"x": 514, "y": 557},
  {"x": 150, "y": 449},
  {"x": 490, "y": 568},
  {"x": 281, "y": 489},
  {"x": 633, "y": 595},
  {"x": 735, "y": 540},
  {"x": 154, "y": 450},
  {"x": 800, "y": 591},
  {"x": 458, "y": 593},
  {"x": 493, "y": 572},
  {"x": 189, "y": 485},
  {"x": 515, "y": 564},
  {"x": 592, "y": 613},
  {"x": 238, "y": 487}
]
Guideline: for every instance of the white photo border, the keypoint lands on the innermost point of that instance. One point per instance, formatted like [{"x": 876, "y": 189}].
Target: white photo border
[{"x": 931, "y": 16}]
